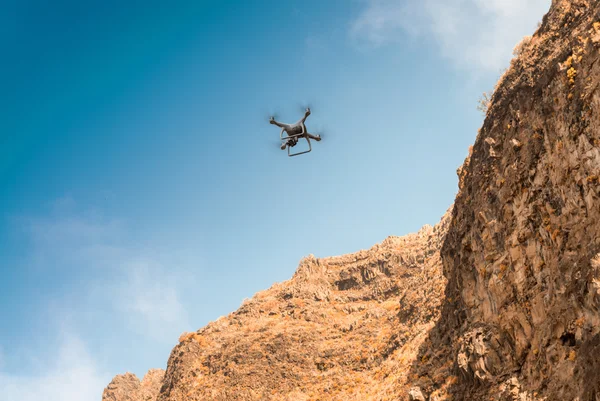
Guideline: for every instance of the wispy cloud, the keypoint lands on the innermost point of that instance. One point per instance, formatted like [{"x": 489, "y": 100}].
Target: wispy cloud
[
  {"x": 67, "y": 235},
  {"x": 473, "y": 34},
  {"x": 120, "y": 283},
  {"x": 141, "y": 285},
  {"x": 149, "y": 295},
  {"x": 74, "y": 376}
]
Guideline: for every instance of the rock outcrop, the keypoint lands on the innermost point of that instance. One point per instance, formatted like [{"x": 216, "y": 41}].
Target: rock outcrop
[
  {"x": 128, "y": 387},
  {"x": 343, "y": 327},
  {"x": 499, "y": 301}
]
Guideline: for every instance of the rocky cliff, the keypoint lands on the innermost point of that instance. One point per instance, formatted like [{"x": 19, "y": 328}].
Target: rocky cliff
[
  {"x": 499, "y": 301},
  {"x": 521, "y": 255},
  {"x": 342, "y": 328}
]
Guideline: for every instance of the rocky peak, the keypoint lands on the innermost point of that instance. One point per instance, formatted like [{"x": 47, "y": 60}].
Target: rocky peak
[{"x": 127, "y": 387}]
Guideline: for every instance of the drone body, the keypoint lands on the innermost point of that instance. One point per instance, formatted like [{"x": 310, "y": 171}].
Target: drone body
[{"x": 294, "y": 132}]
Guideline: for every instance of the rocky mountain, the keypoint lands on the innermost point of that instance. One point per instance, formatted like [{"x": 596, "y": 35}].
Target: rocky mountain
[
  {"x": 345, "y": 327},
  {"x": 499, "y": 301}
]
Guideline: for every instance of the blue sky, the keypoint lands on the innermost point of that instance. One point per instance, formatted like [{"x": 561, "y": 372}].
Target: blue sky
[{"x": 143, "y": 191}]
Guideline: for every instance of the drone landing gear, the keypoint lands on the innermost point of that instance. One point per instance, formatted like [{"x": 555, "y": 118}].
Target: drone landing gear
[{"x": 291, "y": 141}]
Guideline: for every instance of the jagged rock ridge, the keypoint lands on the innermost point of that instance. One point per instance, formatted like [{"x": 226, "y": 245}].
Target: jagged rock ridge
[
  {"x": 343, "y": 327},
  {"x": 340, "y": 328}
]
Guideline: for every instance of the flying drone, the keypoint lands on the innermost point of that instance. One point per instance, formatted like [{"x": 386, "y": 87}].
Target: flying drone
[{"x": 294, "y": 132}]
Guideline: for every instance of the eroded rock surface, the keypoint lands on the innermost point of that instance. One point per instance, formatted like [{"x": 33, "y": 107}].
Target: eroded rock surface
[
  {"x": 344, "y": 327},
  {"x": 522, "y": 314},
  {"x": 128, "y": 387}
]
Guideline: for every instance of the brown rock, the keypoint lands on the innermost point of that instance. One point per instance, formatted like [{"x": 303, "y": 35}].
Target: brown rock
[
  {"x": 127, "y": 387},
  {"x": 342, "y": 327},
  {"x": 415, "y": 394},
  {"x": 526, "y": 291}
]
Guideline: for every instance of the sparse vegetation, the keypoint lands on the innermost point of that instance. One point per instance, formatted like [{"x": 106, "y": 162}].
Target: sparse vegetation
[
  {"x": 518, "y": 49},
  {"x": 571, "y": 74},
  {"x": 484, "y": 102}
]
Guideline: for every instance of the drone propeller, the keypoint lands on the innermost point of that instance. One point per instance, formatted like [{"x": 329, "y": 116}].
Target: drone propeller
[
  {"x": 305, "y": 105},
  {"x": 269, "y": 114},
  {"x": 323, "y": 133},
  {"x": 272, "y": 116}
]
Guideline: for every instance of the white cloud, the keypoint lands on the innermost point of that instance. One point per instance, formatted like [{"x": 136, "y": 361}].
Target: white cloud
[
  {"x": 66, "y": 237},
  {"x": 120, "y": 285},
  {"x": 119, "y": 279},
  {"x": 74, "y": 376},
  {"x": 473, "y": 34},
  {"x": 149, "y": 294},
  {"x": 139, "y": 281}
]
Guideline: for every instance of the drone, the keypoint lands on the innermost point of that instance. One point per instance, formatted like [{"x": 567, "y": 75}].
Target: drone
[{"x": 295, "y": 132}]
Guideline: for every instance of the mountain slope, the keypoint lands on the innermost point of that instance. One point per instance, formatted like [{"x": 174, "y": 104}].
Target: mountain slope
[{"x": 339, "y": 329}]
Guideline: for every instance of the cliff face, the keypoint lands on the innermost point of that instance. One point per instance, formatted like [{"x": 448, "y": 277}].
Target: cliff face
[
  {"x": 522, "y": 251},
  {"x": 499, "y": 301},
  {"x": 343, "y": 327}
]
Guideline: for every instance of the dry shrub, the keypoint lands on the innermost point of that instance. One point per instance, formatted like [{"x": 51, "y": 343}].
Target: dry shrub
[
  {"x": 518, "y": 49},
  {"x": 483, "y": 103},
  {"x": 185, "y": 336}
]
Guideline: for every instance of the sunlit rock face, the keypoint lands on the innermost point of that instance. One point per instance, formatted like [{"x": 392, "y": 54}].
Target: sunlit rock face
[
  {"x": 521, "y": 254},
  {"x": 345, "y": 327}
]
